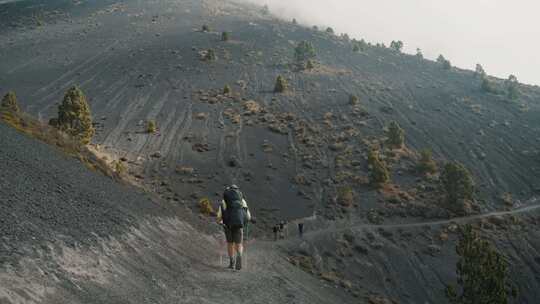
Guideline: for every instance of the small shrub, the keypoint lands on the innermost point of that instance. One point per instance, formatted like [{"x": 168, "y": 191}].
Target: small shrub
[
  {"x": 345, "y": 196},
  {"x": 330, "y": 30},
  {"x": 426, "y": 164},
  {"x": 226, "y": 90},
  {"x": 457, "y": 183},
  {"x": 281, "y": 85},
  {"x": 225, "y": 36},
  {"x": 210, "y": 55},
  {"x": 206, "y": 206},
  {"x": 356, "y": 48},
  {"x": 310, "y": 65},
  {"x": 10, "y": 103},
  {"x": 151, "y": 127},
  {"x": 205, "y": 28},
  {"x": 378, "y": 173},
  {"x": 353, "y": 99},
  {"x": 74, "y": 117},
  {"x": 119, "y": 168},
  {"x": 396, "y": 135}
]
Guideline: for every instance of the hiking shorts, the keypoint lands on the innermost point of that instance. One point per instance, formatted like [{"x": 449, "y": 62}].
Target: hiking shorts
[{"x": 234, "y": 234}]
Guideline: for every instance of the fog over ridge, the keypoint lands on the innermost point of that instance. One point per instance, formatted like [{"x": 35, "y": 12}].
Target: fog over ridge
[{"x": 501, "y": 35}]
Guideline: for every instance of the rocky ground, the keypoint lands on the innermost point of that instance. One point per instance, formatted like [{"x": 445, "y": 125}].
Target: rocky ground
[{"x": 291, "y": 153}]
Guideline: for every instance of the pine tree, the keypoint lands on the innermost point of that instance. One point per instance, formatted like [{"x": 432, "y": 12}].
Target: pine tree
[
  {"x": 482, "y": 272},
  {"x": 378, "y": 173},
  {"x": 74, "y": 116},
  {"x": 281, "y": 85},
  {"x": 225, "y": 36},
  {"x": 396, "y": 135},
  {"x": 457, "y": 183},
  {"x": 304, "y": 51},
  {"x": 479, "y": 71},
  {"x": 396, "y": 45},
  {"x": 512, "y": 87}
]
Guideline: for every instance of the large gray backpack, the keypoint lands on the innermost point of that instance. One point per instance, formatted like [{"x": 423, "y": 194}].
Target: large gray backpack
[{"x": 234, "y": 215}]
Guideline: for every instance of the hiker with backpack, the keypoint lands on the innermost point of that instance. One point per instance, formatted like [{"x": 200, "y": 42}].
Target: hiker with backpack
[{"x": 234, "y": 215}]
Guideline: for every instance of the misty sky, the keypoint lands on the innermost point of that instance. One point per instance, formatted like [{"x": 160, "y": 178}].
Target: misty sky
[{"x": 502, "y": 35}]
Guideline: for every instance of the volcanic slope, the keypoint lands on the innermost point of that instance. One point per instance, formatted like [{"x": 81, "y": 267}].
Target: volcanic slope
[
  {"x": 141, "y": 61},
  {"x": 70, "y": 235}
]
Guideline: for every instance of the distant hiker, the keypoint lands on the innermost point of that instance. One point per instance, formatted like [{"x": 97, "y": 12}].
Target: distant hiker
[
  {"x": 234, "y": 214},
  {"x": 281, "y": 229},
  {"x": 276, "y": 230},
  {"x": 301, "y": 229}
]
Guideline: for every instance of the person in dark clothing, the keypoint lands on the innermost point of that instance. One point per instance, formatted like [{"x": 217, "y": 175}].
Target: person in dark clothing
[
  {"x": 233, "y": 214},
  {"x": 301, "y": 229},
  {"x": 276, "y": 230},
  {"x": 282, "y": 229}
]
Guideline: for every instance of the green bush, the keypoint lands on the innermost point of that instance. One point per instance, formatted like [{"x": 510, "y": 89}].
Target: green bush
[
  {"x": 488, "y": 86},
  {"x": 396, "y": 135},
  {"x": 226, "y": 90},
  {"x": 74, "y": 117},
  {"x": 482, "y": 272},
  {"x": 457, "y": 183},
  {"x": 345, "y": 196},
  {"x": 210, "y": 55},
  {"x": 310, "y": 65},
  {"x": 353, "y": 99},
  {"x": 378, "y": 173},
  {"x": 426, "y": 164},
  {"x": 281, "y": 85},
  {"x": 205, "y": 28},
  {"x": 225, "y": 36},
  {"x": 356, "y": 48},
  {"x": 10, "y": 103},
  {"x": 151, "y": 126}
]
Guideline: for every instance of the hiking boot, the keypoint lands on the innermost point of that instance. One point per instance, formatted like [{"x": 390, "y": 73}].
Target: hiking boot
[
  {"x": 231, "y": 263},
  {"x": 239, "y": 262}
]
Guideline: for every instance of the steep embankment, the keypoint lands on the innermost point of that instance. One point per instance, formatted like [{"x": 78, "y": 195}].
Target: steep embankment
[{"x": 70, "y": 235}]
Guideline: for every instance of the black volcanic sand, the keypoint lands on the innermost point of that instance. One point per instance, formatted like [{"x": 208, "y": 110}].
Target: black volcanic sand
[
  {"x": 139, "y": 61},
  {"x": 74, "y": 236}
]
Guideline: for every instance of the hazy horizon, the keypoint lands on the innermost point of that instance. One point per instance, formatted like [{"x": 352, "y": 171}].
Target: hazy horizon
[{"x": 500, "y": 35}]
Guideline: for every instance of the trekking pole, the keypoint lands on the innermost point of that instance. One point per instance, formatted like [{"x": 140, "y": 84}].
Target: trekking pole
[{"x": 245, "y": 247}]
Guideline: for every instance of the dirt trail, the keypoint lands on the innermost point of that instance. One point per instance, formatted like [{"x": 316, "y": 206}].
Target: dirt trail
[{"x": 343, "y": 226}]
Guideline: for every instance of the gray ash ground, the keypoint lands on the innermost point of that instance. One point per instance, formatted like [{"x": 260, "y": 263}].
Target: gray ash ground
[{"x": 140, "y": 61}]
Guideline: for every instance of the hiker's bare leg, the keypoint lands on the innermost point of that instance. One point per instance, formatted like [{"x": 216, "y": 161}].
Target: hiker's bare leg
[
  {"x": 239, "y": 248},
  {"x": 230, "y": 249}
]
